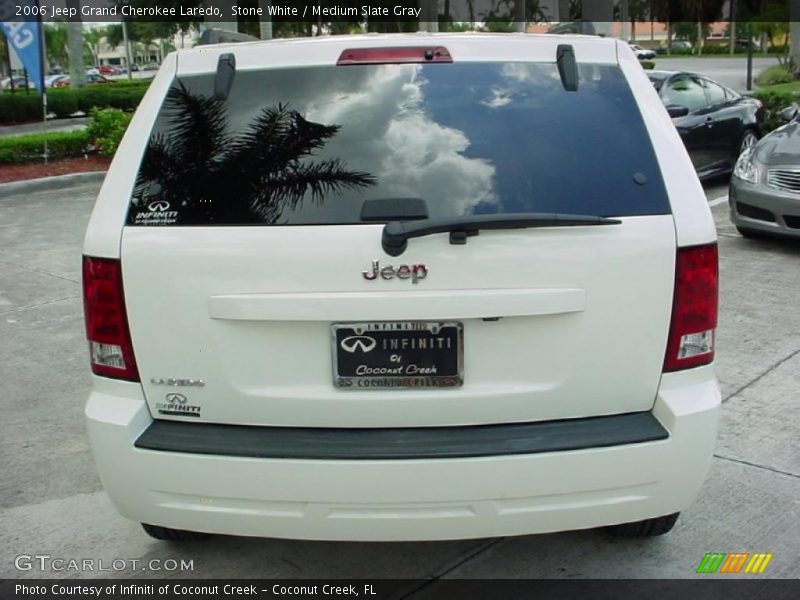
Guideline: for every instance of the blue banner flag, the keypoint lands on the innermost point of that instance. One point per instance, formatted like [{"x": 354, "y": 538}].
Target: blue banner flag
[{"x": 25, "y": 38}]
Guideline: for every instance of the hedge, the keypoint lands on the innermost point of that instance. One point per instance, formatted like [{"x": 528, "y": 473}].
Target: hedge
[
  {"x": 774, "y": 102},
  {"x": 774, "y": 75},
  {"x": 29, "y": 148},
  {"x": 21, "y": 106}
]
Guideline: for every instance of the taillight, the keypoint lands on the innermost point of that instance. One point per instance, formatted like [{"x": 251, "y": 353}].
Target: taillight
[
  {"x": 694, "y": 308},
  {"x": 106, "y": 320},
  {"x": 403, "y": 54}
]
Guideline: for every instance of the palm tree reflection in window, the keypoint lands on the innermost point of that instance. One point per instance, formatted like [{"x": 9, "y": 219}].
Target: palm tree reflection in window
[{"x": 211, "y": 177}]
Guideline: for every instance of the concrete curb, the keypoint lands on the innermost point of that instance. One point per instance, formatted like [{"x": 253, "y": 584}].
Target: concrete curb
[{"x": 44, "y": 184}]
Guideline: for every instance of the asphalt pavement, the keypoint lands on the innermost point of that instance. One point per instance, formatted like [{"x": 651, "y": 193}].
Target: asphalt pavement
[
  {"x": 730, "y": 71},
  {"x": 52, "y": 502}
]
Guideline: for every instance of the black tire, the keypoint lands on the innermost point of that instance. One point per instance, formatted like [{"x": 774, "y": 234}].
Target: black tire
[
  {"x": 173, "y": 535},
  {"x": 749, "y": 138},
  {"x": 646, "y": 528}
]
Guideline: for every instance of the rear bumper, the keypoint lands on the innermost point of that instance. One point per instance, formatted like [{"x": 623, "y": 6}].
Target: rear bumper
[{"x": 407, "y": 499}]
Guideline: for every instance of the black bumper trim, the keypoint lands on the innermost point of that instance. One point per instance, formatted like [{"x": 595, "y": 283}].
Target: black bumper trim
[{"x": 405, "y": 443}]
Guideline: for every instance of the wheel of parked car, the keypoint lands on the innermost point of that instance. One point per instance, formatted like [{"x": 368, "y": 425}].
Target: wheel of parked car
[{"x": 749, "y": 140}]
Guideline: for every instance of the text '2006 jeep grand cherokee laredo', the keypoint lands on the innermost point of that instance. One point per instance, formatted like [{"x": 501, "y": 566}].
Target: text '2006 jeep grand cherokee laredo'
[{"x": 401, "y": 288}]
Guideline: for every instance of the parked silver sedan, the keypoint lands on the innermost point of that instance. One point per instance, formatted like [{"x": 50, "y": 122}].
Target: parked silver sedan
[{"x": 765, "y": 187}]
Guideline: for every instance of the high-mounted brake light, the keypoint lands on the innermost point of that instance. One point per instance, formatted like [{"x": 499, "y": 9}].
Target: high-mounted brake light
[
  {"x": 381, "y": 56},
  {"x": 694, "y": 308},
  {"x": 107, "y": 329}
]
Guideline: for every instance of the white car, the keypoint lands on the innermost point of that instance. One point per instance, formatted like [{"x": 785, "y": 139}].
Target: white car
[
  {"x": 402, "y": 288},
  {"x": 642, "y": 53}
]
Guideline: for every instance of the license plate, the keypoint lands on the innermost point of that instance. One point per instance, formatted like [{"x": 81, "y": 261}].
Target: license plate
[{"x": 398, "y": 354}]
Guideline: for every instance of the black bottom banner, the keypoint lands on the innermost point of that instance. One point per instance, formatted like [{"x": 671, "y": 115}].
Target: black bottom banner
[{"x": 397, "y": 589}]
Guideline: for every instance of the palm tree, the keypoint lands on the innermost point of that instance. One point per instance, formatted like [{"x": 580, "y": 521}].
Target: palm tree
[
  {"x": 210, "y": 176},
  {"x": 534, "y": 12},
  {"x": 77, "y": 74},
  {"x": 92, "y": 38},
  {"x": 55, "y": 42},
  {"x": 794, "y": 40}
]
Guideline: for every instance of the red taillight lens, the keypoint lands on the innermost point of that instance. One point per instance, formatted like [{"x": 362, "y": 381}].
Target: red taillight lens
[
  {"x": 410, "y": 54},
  {"x": 694, "y": 308},
  {"x": 106, "y": 320}
]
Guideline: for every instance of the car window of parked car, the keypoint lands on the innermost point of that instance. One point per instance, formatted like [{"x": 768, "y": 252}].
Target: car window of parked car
[
  {"x": 310, "y": 145},
  {"x": 730, "y": 94},
  {"x": 656, "y": 80},
  {"x": 715, "y": 94},
  {"x": 685, "y": 91}
]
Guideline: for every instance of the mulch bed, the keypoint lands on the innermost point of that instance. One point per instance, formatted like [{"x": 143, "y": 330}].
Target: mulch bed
[{"x": 56, "y": 167}]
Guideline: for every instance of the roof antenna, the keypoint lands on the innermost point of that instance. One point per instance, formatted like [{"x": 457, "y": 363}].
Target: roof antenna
[
  {"x": 567, "y": 67},
  {"x": 226, "y": 71}
]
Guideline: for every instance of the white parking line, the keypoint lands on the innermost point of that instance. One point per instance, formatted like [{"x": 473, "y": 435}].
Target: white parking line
[{"x": 718, "y": 201}]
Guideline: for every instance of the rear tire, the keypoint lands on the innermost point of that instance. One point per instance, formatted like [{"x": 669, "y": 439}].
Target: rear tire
[
  {"x": 173, "y": 535},
  {"x": 647, "y": 528}
]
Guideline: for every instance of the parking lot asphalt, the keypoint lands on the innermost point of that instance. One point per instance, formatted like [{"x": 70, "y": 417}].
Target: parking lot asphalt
[
  {"x": 52, "y": 502},
  {"x": 730, "y": 71}
]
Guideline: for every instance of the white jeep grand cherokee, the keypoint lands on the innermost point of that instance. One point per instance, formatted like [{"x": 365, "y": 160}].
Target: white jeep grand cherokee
[{"x": 402, "y": 288}]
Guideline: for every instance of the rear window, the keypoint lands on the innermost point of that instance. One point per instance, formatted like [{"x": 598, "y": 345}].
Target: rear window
[{"x": 310, "y": 145}]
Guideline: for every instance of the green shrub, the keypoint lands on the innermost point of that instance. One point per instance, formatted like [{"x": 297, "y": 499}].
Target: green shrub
[
  {"x": 107, "y": 128},
  {"x": 774, "y": 102},
  {"x": 63, "y": 102},
  {"x": 30, "y": 148},
  {"x": 131, "y": 83},
  {"x": 778, "y": 50},
  {"x": 20, "y": 106},
  {"x": 647, "y": 64},
  {"x": 716, "y": 49},
  {"x": 774, "y": 75}
]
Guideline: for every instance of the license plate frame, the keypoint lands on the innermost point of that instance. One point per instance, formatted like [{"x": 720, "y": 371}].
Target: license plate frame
[{"x": 416, "y": 365}]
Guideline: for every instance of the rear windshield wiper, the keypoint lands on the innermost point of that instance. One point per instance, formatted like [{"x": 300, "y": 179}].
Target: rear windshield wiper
[{"x": 396, "y": 234}]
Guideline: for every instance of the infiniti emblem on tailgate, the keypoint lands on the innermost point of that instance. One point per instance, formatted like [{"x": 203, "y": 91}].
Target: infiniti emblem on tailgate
[
  {"x": 176, "y": 398},
  {"x": 363, "y": 342}
]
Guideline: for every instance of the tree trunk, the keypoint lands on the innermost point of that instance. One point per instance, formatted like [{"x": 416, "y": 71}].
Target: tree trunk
[
  {"x": 669, "y": 37},
  {"x": 519, "y": 15},
  {"x": 624, "y": 18},
  {"x": 77, "y": 72},
  {"x": 428, "y": 16},
  {"x": 794, "y": 37},
  {"x": 600, "y": 13},
  {"x": 265, "y": 23},
  {"x": 700, "y": 39}
]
